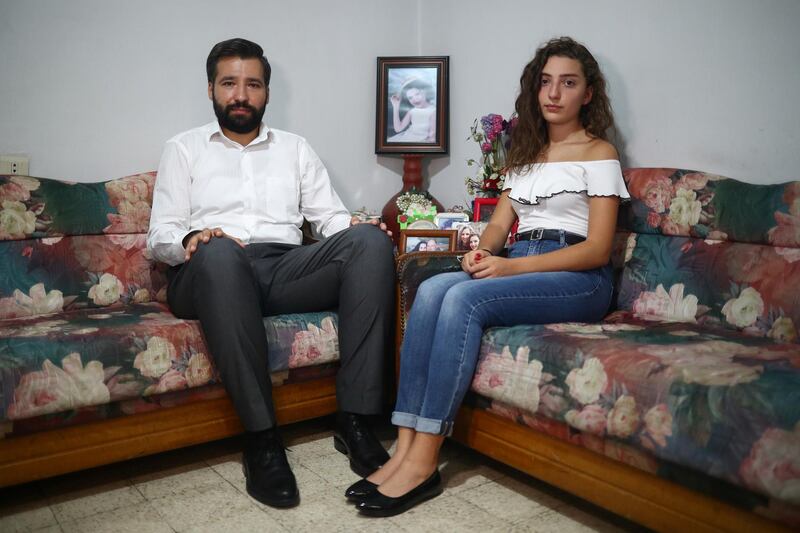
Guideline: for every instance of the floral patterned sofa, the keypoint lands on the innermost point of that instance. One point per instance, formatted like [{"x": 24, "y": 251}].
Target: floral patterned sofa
[
  {"x": 93, "y": 366},
  {"x": 681, "y": 410}
]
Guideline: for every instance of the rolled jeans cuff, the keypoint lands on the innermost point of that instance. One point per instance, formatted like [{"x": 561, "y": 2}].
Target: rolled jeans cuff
[{"x": 422, "y": 425}]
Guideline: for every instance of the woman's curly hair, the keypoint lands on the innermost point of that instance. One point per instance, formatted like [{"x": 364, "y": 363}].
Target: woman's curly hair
[{"x": 529, "y": 137}]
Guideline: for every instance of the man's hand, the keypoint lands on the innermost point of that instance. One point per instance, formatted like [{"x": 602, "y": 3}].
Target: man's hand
[
  {"x": 374, "y": 221},
  {"x": 193, "y": 240}
]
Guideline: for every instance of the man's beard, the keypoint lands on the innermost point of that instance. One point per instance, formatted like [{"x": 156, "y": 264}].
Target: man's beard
[{"x": 238, "y": 123}]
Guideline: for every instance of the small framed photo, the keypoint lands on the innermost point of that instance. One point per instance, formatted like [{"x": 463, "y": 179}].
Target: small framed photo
[
  {"x": 482, "y": 209},
  {"x": 468, "y": 235},
  {"x": 412, "y": 105},
  {"x": 446, "y": 220},
  {"x": 428, "y": 240}
]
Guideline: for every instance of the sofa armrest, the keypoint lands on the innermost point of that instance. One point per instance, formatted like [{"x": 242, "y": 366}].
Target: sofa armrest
[{"x": 413, "y": 269}]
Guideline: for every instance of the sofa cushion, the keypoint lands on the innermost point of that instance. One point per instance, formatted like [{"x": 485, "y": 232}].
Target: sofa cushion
[
  {"x": 57, "y": 274},
  {"x": 40, "y": 207},
  {"x": 710, "y": 249},
  {"x": 738, "y": 285},
  {"x": 669, "y": 201},
  {"x": 71, "y": 245},
  {"x": 90, "y": 357},
  {"x": 711, "y": 399}
]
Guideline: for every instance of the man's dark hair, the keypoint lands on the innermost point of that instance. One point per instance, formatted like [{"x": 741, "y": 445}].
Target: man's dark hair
[{"x": 241, "y": 48}]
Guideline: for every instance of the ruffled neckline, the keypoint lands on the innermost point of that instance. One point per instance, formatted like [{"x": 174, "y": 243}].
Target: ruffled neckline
[
  {"x": 577, "y": 162},
  {"x": 569, "y": 177}
]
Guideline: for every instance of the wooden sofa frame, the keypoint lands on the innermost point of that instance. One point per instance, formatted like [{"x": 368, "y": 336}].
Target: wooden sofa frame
[{"x": 59, "y": 451}]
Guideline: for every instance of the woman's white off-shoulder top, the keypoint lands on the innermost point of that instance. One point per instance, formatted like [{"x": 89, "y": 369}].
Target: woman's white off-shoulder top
[{"x": 556, "y": 195}]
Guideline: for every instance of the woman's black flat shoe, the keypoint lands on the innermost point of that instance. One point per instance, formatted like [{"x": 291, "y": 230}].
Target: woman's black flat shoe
[
  {"x": 359, "y": 490},
  {"x": 377, "y": 504}
]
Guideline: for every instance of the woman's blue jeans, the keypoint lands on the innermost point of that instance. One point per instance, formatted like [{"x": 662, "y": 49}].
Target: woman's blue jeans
[{"x": 443, "y": 334}]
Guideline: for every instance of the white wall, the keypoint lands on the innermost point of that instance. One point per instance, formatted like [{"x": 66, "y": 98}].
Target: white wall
[
  {"x": 91, "y": 89},
  {"x": 708, "y": 85}
]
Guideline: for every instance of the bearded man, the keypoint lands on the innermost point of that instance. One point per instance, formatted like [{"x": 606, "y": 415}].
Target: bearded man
[{"x": 229, "y": 201}]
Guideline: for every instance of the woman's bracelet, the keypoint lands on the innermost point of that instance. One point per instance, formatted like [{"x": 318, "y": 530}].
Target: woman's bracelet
[{"x": 485, "y": 250}]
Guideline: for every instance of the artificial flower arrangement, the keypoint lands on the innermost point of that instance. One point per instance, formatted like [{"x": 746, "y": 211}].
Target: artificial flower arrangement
[
  {"x": 414, "y": 205},
  {"x": 493, "y": 134}
]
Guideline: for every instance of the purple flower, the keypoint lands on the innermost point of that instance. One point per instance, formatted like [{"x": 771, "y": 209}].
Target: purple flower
[
  {"x": 486, "y": 148},
  {"x": 490, "y": 123},
  {"x": 486, "y": 124}
]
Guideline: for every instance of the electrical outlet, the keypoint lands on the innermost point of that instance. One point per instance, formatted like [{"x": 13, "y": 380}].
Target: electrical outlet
[{"x": 14, "y": 164}]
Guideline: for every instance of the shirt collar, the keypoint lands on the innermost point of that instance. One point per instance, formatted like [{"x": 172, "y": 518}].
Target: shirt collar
[{"x": 214, "y": 129}]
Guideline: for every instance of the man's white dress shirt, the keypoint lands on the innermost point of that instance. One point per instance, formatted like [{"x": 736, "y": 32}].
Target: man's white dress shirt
[{"x": 258, "y": 193}]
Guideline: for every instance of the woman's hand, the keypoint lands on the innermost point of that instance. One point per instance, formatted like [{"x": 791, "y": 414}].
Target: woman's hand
[
  {"x": 470, "y": 259},
  {"x": 482, "y": 264},
  {"x": 492, "y": 267},
  {"x": 395, "y": 99}
]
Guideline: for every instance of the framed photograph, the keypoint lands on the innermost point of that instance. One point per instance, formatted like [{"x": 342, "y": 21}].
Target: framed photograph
[
  {"x": 422, "y": 224},
  {"x": 468, "y": 235},
  {"x": 447, "y": 220},
  {"x": 482, "y": 209},
  {"x": 412, "y": 115},
  {"x": 427, "y": 240}
]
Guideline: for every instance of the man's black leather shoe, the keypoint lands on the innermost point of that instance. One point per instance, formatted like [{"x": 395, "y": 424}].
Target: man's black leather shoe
[
  {"x": 377, "y": 504},
  {"x": 269, "y": 478},
  {"x": 354, "y": 438},
  {"x": 359, "y": 490}
]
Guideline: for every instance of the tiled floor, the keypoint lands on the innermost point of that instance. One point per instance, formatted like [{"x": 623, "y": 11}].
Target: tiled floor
[{"x": 201, "y": 489}]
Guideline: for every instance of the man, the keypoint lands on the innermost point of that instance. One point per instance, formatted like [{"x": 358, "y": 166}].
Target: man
[{"x": 229, "y": 200}]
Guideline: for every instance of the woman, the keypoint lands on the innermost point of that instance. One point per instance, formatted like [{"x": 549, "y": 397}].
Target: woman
[
  {"x": 464, "y": 237},
  {"x": 564, "y": 184}
]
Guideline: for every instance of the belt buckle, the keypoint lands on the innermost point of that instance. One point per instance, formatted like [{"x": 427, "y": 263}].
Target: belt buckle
[{"x": 536, "y": 234}]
